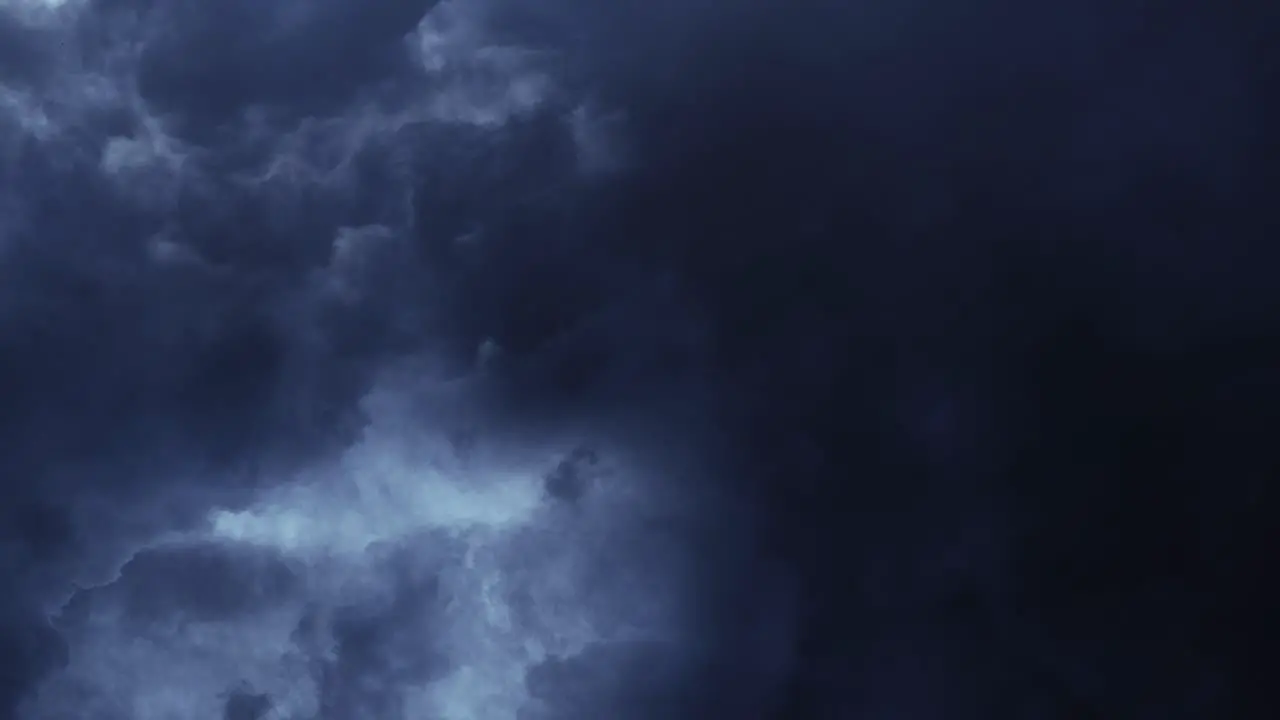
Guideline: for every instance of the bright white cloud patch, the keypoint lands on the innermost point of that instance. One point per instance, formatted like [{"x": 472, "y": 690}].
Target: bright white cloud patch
[
  {"x": 40, "y": 11},
  {"x": 470, "y": 570},
  {"x": 477, "y": 83},
  {"x": 380, "y": 498}
]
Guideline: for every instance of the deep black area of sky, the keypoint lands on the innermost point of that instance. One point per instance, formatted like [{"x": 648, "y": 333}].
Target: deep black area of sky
[{"x": 969, "y": 307}]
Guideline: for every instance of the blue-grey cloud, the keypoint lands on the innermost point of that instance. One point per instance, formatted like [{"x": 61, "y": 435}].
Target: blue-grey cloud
[
  {"x": 227, "y": 228},
  {"x": 486, "y": 359}
]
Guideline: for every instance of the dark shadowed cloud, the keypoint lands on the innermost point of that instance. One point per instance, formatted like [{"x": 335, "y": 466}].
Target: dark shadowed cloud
[{"x": 487, "y": 360}]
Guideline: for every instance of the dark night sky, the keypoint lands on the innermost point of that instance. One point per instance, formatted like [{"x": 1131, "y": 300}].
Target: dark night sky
[{"x": 493, "y": 360}]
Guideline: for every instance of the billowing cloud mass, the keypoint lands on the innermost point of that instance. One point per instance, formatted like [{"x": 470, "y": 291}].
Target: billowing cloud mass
[
  {"x": 495, "y": 360},
  {"x": 253, "y": 278}
]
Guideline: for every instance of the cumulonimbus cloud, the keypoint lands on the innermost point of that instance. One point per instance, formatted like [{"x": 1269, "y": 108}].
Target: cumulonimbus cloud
[{"x": 220, "y": 251}]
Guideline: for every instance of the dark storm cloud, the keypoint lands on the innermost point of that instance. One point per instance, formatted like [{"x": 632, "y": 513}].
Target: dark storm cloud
[
  {"x": 297, "y": 59},
  {"x": 292, "y": 292},
  {"x": 220, "y": 220},
  {"x": 958, "y": 269},
  {"x": 170, "y": 268},
  {"x": 394, "y": 358}
]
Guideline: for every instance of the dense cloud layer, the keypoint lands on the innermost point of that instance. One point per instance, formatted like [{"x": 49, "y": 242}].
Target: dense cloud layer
[
  {"x": 478, "y": 359},
  {"x": 260, "y": 264}
]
